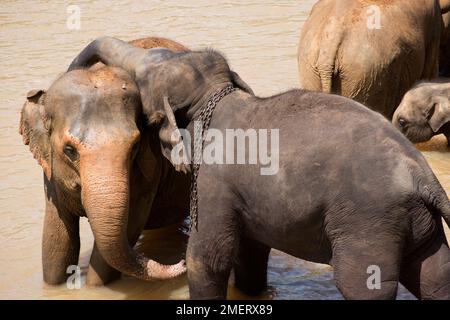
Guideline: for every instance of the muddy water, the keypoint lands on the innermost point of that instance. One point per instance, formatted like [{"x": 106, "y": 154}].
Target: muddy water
[{"x": 259, "y": 37}]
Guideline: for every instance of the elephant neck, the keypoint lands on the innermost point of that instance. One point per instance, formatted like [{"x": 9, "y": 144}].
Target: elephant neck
[
  {"x": 227, "y": 109},
  {"x": 200, "y": 100}
]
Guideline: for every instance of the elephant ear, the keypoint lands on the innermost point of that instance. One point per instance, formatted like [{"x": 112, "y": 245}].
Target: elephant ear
[
  {"x": 241, "y": 84},
  {"x": 441, "y": 113},
  {"x": 170, "y": 138},
  {"x": 35, "y": 127}
]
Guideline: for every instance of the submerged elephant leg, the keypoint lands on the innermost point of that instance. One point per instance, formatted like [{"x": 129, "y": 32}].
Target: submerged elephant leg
[
  {"x": 100, "y": 272},
  {"x": 212, "y": 249},
  {"x": 428, "y": 275},
  {"x": 209, "y": 263},
  {"x": 367, "y": 266},
  {"x": 60, "y": 243},
  {"x": 250, "y": 266}
]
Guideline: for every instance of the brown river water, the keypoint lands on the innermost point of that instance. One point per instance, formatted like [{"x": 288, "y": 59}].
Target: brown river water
[{"x": 259, "y": 37}]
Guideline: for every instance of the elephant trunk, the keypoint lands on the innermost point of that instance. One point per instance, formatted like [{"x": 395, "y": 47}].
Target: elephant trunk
[
  {"x": 105, "y": 196},
  {"x": 112, "y": 52}
]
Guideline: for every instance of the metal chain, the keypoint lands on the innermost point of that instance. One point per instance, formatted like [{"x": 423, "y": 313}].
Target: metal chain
[{"x": 205, "y": 118}]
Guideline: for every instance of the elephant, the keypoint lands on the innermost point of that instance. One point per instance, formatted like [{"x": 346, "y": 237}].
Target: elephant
[
  {"x": 444, "y": 56},
  {"x": 101, "y": 161},
  {"x": 372, "y": 51},
  {"x": 425, "y": 111},
  {"x": 350, "y": 189}
]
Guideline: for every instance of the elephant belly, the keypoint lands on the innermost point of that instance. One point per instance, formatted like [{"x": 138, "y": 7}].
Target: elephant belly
[{"x": 289, "y": 227}]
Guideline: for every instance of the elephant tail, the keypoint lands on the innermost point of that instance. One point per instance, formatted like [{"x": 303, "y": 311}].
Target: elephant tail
[
  {"x": 327, "y": 62},
  {"x": 436, "y": 200}
]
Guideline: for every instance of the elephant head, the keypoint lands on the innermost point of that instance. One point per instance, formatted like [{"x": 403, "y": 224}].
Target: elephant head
[
  {"x": 424, "y": 111},
  {"x": 184, "y": 79},
  {"x": 87, "y": 133}
]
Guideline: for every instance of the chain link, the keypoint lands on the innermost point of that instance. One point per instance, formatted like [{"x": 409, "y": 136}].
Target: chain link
[{"x": 205, "y": 118}]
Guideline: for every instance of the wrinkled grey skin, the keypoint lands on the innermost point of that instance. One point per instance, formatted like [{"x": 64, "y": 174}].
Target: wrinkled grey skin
[
  {"x": 363, "y": 197},
  {"x": 425, "y": 111},
  {"x": 101, "y": 161},
  {"x": 342, "y": 51}
]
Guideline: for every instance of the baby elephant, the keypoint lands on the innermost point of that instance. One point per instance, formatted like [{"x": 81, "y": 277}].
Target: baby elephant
[{"x": 425, "y": 111}]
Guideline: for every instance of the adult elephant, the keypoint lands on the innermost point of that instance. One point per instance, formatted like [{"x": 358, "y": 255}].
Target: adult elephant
[
  {"x": 444, "y": 56},
  {"x": 101, "y": 160},
  {"x": 372, "y": 51},
  {"x": 363, "y": 201}
]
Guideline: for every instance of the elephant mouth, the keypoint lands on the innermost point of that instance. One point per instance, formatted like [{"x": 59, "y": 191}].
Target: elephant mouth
[{"x": 418, "y": 135}]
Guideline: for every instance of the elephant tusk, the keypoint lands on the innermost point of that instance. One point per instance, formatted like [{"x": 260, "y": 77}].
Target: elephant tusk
[{"x": 169, "y": 112}]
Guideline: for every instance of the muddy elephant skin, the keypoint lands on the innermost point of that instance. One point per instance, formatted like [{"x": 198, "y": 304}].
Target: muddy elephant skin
[{"x": 372, "y": 51}]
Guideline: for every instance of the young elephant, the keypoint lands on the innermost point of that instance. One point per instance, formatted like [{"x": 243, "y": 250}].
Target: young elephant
[
  {"x": 425, "y": 111},
  {"x": 372, "y": 51},
  {"x": 362, "y": 199},
  {"x": 101, "y": 161}
]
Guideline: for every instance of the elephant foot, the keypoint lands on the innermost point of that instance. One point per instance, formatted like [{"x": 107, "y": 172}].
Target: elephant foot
[
  {"x": 100, "y": 272},
  {"x": 94, "y": 279},
  {"x": 250, "y": 267},
  {"x": 204, "y": 283}
]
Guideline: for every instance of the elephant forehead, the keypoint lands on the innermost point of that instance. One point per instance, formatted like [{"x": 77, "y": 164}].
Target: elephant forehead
[
  {"x": 418, "y": 98},
  {"x": 92, "y": 102},
  {"x": 99, "y": 119},
  {"x": 94, "y": 116},
  {"x": 101, "y": 135}
]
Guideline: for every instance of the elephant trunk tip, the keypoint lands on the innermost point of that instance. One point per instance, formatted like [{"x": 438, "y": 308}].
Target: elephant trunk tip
[{"x": 159, "y": 271}]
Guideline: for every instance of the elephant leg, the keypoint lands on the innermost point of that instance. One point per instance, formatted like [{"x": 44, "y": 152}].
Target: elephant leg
[
  {"x": 209, "y": 266},
  {"x": 367, "y": 266},
  {"x": 212, "y": 249},
  {"x": 250, "y": 266},
  {"x": 100, "y": 272},
  {"x": 60, "y": 244},
  {"x": 428, "y": 275}
]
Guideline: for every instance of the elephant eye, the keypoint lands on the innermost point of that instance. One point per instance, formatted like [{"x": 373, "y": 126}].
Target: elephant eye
[
  {"x": 70, "y": 152},
  {"x": 402, "y": 122}
]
